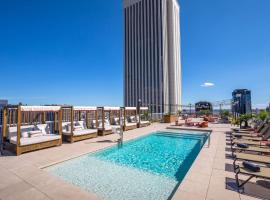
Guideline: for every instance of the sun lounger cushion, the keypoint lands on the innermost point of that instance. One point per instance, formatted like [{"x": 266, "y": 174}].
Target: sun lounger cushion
[
  {"x": 35, "y": 140},
  {"x": 241, "y": 145},
  {"x": 251, "y": 166}
]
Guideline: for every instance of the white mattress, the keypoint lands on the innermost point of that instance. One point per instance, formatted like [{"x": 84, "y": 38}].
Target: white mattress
[
  {"x": 106, "y": 128},
  {"x": 144, "y": 122},
  {"x": 81, "y": 132},
  {"x": 35, "y": 140},
  {"x": 131, "y": 124}
]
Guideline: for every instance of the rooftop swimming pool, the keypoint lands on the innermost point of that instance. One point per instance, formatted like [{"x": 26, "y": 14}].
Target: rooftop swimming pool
[{"x": 149, "y": 167}]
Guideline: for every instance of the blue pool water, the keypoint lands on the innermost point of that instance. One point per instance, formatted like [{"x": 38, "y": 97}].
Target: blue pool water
[{"x": 150, "y": 167}]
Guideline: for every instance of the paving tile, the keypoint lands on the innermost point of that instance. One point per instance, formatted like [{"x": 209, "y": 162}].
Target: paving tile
[
  {"x": 194, "y": 187},
  {"x": 14, "y": 188},
  {"x": 182, "y": 195},
  {"x": 7, "y": 179},
  {"x": 31, "y": 193}
]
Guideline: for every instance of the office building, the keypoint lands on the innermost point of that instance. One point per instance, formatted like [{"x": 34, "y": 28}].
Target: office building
[
  {"x": 152, "y": 64},
  {"x": 241, "y": 101}
]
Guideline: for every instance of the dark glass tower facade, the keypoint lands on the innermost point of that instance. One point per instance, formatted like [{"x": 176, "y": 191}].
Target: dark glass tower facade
[{"x": 241, "y": 101}]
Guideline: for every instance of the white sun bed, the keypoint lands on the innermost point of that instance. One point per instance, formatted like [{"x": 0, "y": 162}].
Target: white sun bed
[
  {"x": 80, "y": 129},
  {"x": 43, "y": 134}
]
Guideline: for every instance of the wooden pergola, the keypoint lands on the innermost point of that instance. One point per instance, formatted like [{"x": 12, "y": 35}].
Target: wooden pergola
[
  {"x": 17, "y": 117},
  {"x": 108, "y": 113},
  {"x": 128, "y": 113},
  {"x": 143, "y": 117},
  {"x": 89, "y": 114}
]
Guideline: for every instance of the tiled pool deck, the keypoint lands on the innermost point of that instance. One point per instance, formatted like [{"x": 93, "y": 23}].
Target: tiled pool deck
[{"x": 210, "y": 176}]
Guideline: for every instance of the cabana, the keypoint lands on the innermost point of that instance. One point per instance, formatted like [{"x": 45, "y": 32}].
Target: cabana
[
  {"x": 109, "y": 119},
  {"x": 143, "y": 117},
  {"x": 29, "y": 128},
  {"x": 79, "y": 123},
  {"x": 130, "y": 116}
]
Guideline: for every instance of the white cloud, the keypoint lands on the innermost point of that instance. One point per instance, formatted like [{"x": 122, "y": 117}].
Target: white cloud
[{"x": 207, "y": 84}]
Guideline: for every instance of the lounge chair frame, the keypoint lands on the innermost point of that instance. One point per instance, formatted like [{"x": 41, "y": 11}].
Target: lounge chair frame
[
  {"x": 76, "y": 114},
  {"x": 13, "y": 116},
  {"x": 250, "y": 174}
]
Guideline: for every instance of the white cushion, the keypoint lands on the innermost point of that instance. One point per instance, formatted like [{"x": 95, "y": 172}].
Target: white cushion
[
  {"x": 107, "y": 122},
  {"x": 35, "y": 140},
  {"x": 12, "y": 131},
  {"x": 131, "y": 124},
  {"x": 35, "y": 133},
  {"x": 77, "y": 128},
  {"x": 94, "y": 124},
  {"x": 144, "y": 122},
  {"x": 115, "y": 126},
  {"x": 65, "y": 125},
  {"x": 43, "y": 128},
  {"x": 116, "y": 121},
  {"x": 106, "y": 128},
  {"x": 24, "y": 134},
  {"x": 82, "y": 124},
  {"x": 81, "y": 132},
  {"x": 132, "y": 119}
]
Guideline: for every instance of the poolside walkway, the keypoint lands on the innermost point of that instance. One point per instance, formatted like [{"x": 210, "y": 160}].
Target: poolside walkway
[{"x": 209, "y": 178}]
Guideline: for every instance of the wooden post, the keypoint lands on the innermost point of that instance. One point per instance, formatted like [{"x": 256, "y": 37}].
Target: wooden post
[
  {"x": 139, "y": 115},
  {"x": 72, "y": 120},
  {"x": 124, "y": 117},
  {"x": 103, "y": 119},
  {"x": 55, "y": 123},
  {"x": 86, "y": 118},
  {"x": 96, "y": 112},
  {"x": 19, "y": 115},
  {"x": 80, "y": 118},
  {"x": 60, "y": 115},
  {"x": 4, "y": 125},
  {"x": 43, "y": 119}
]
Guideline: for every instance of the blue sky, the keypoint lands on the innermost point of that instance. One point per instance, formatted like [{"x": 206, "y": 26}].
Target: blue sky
[{"x": 58, "y": 51}]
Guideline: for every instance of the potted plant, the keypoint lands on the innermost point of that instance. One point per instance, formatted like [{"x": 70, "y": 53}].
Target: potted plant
[{"x": 169, "y": 118}]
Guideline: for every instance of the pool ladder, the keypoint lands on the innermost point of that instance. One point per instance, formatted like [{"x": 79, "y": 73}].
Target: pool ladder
[{"x": 121, "y": 138}]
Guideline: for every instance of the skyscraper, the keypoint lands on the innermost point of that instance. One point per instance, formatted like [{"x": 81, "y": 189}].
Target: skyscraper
[
  {"x": 152, "y": 61},
  {"x": 241, "y": 103}
]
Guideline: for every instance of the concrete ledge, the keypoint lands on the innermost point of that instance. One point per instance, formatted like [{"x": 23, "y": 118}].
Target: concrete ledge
[{"x": 189, "y": 128}]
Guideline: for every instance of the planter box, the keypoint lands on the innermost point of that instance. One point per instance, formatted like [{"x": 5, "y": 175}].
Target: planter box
[{"x": 169, "y": 118}]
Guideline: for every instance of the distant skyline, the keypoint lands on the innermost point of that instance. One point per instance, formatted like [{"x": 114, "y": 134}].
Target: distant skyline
[{"x": 71, "y": 52}]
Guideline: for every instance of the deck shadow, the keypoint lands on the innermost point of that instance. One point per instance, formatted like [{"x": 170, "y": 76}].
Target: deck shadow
[
  {"x": 259, "y": 190},
  {"x": 228, "y": 149},
  {"x": 103, "y": 141},
  {"x": 229, "y": 167}
]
